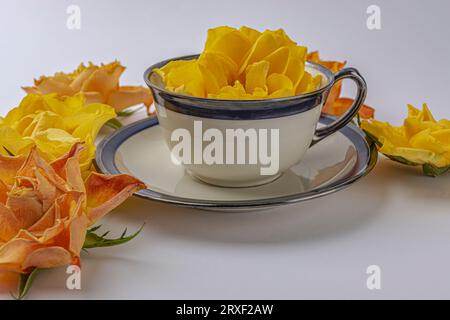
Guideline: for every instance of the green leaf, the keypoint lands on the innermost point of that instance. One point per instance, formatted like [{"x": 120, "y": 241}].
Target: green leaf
[
  {"x": 114, "y": 123},
  {"x": 358, "y": 119},
  {"x": 95, "y": 241},
  {"x": 25, "y": 283},
  {"x": 433, "y": 171},
  {"x": 127, "y": 113}
]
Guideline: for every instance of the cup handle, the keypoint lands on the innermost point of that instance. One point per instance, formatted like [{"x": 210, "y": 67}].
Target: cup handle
[{"x": 347, "y": 73}]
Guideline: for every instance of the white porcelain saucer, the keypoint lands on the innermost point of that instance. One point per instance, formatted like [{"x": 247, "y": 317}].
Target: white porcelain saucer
[{"x": 331, "y": 165}]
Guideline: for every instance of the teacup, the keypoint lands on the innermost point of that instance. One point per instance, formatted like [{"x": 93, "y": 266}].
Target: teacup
[{"x": 267, "y": 137}]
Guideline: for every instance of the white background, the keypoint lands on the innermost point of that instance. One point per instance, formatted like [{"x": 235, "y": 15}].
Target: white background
[{"x": 394, "y": 218}]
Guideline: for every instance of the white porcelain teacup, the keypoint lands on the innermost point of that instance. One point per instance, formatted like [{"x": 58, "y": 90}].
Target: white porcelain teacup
[{"x": 240, "y": 143}]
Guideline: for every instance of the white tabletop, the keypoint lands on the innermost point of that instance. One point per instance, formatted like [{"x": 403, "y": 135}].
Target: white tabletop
[{"x": 394, "y": 218}]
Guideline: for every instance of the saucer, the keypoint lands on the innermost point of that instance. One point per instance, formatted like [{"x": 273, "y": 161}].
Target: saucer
[{"x": 329, "y": 166}]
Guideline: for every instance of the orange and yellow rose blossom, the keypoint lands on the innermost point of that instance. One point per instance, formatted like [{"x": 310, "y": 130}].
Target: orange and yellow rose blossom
[
  {"x": 99, "y": 84},
  {"x": 46, "y": 208}
]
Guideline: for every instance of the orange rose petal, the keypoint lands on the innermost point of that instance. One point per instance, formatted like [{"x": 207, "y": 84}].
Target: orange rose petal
[
  {"x": 31, "y": 90},
  {"x": 78, "y": 231},
  {"x": 55, "y": 234},
  {"x": 77, "y": 83},
  {"x": 67, "y": 204},
  {"x": 4, "y": 189},
  {"x": 13, "y": 253},
  {"x": 67, "y": 167},
  {"x": 9, "y": 225},
  {"x": 335, "y": 105},
  {"x": 334, "y": 66},
  {"x": 128, "y": 96},
  {"x": 53, "y": 86},
  {"x": 104, "y": 193},
  {"x": 9, "y": 281},
  {"x": 26, "y": 206},
  {"x": 342, "y": 104},
  {"x": 49, "y": 257},
  {"x": 46, "y": 221},
  {"x": 93, "y": 97},
  {"x": 98, "y": 84},
  {"x": 45, "y": 190},
  {"x": 105, "y": 79},
  {"x": 26, "y": 235},
  {"x": 367, "y": 112},
  {"x": 9, "y": 167},
  {"x": 334, "y": 94},
  {"x": 34, "y": 161}
]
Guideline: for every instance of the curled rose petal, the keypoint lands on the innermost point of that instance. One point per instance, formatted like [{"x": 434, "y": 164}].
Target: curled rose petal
[
  {"x": 48, "y": 257},
  {"x": 341, "y": 105},
  {"x": 104, "y": 193},
  {"x": 127, "y": 96}
]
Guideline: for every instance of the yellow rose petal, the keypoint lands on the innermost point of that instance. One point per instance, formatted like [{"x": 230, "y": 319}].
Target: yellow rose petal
[
  {"x": 264, "y": 45},
  {"x": 278, "y": 60},
  {"x": 256, "y": 75},
  {"x": 296, "y": 64},
  {"x": 277, "y": 81},
  {"x": 251, "y": 34},
  {"x": 232, "y": 44},
  {"x": 216, "y": 33}
]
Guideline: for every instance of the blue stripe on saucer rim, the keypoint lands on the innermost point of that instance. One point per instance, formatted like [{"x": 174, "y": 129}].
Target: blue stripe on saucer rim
[{"x": 367, "y": 158}]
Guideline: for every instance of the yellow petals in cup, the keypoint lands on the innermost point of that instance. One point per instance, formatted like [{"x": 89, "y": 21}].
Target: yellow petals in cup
[
  {"x": 256, "y": 74},
  {"x": 280, "y": 85},
  {"x": 238, "y": 64},
  {"x": 420, "y": 141}
]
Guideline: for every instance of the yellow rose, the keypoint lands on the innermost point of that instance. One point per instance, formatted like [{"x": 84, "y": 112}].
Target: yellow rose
[
  {"x": 53, "y": 124},
  {"x": 99, "y": 84},
  {"x": 46, "y": 208},
  {"x": 420, "y": 141},
  {"x": 242, "y": 64}
]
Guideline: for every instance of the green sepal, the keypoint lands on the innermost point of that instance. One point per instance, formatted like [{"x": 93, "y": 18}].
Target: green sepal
[
  {"x": 25, "y": 283},
  {"x": 433, "y": 171},
  {"x": 93, "y": 240},
  {"x": 114, "y": 123},
  {"x": 401, "y": 160},
  {"x": 127, "y": 113}
]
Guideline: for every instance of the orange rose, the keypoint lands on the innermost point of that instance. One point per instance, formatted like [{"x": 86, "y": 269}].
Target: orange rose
[
  {"x": 336, "y": 105},
  {"x": 99, "y": 84},
  {"x": 46, "y": 208}
]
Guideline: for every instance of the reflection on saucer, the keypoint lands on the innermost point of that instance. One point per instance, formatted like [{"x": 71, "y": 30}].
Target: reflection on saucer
[{"x": 287, "y": 183}]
